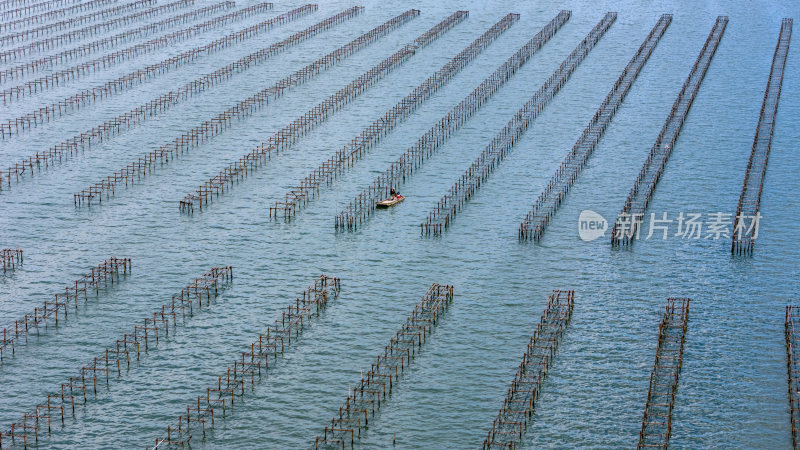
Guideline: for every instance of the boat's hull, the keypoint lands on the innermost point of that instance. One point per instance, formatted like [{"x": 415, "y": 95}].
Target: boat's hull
[{"x": 389, "y": 202}]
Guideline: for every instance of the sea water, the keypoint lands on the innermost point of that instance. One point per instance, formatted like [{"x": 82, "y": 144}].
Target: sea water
[{"x": 732, "y": 390}]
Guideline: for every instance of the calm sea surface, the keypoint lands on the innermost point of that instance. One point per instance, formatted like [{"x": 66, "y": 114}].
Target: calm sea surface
[{"x": 732, "y": 390}]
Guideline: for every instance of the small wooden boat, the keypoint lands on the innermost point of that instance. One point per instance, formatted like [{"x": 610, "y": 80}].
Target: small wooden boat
[{"x": 391, "y": 201}]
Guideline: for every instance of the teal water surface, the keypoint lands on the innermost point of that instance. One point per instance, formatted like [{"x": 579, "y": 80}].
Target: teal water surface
[{"x": 732, "y": 390}]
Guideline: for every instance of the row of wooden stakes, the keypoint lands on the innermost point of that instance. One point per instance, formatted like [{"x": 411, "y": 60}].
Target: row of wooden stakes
[
  {"x": 69, "y": 22},
  {"x": 26, "y": 7},
  {"x": 105, "y": 272},
  {"x": 366, "y": 397},
  {"x": 47, "y": 16},
  {"x": 83, "y": 50},
  {"x": 535, "y": 222},
  {"x": 484, "y": 165},
  {"x": 143, "y": 336},
  {"x": 92, "y": 30},
  {"x": 299, "y": 195},
  {"x": 11, "y": 258},
  {"x": 137, "y": 76},
  {"x": 275, "y": 339},
  {"x": 218, "y": 124},
  {"x": 626, "y": 227},
  {"x": 363, "y": 205},
  {"x": 141, "y": 113},
  {"x": 289, "y": 134}
]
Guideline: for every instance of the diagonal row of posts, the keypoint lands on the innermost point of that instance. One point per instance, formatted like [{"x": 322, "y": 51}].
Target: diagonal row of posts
[
  {"x": 249, "y": 364},
  {"x": 363, "y": 205},
  {"x": 309, "y": 186},
  {"x": 520, "y": 402},
  {"x": 154, "y": 107},
  {"x": 11, "y": 257},
  {"x": 70, "y": 22},
  {"x": 792, "y": 330},
  {"x": 626, "y": 226},
  {"x": 299, "y": 127},
  {"x": 121, "y": 83},
  {"x": 102, "y": 27},
  {"x": 88, "y": 48},
  {"x": 376, "y": 384},
  {"x": 207, "y": 129},
  {"x": 547, "y": 203},
  {"x": 20, "y": 8},
  {"x": 744, "y": 230},
  {"x": 657, "y": 421},
  {"x": 45, "y": 114},
  {"x": 468, "y": 183},
  {"x": 55, "y": 14},
  {"x": 105, "y": 272},
  {"x": 143, "y": 336}
]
